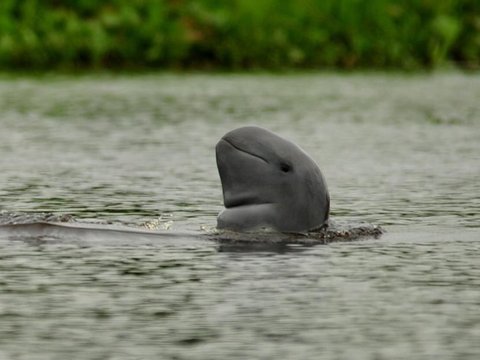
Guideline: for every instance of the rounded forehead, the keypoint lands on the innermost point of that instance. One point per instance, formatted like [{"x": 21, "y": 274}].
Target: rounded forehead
[
  {"x": 261, "y": 140},
  {"x": 253, "y": 133}
]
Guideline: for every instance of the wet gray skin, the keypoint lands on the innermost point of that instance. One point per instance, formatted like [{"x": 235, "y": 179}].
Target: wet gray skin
[{"x": 269, "y": 182}]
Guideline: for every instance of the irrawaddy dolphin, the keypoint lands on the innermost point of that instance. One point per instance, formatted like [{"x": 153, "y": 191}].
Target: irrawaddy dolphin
[{"x": 269, "y": 183}]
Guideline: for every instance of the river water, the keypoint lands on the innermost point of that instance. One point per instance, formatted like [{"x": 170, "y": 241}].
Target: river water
[{"x": 400, "y": 151}]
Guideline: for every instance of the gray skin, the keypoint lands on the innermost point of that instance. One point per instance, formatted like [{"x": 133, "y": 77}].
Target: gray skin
[{"x": 269, "y": 183}]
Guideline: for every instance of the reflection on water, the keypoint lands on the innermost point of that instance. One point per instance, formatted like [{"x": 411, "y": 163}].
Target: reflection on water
[{"x": 399, "y": 151}]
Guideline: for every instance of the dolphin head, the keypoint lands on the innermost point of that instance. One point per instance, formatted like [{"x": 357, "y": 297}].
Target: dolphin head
[{"x": 269, "y": 182}]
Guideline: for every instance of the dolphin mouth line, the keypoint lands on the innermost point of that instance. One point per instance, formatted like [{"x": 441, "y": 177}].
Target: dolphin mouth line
[{"x": 244, "y": 151}]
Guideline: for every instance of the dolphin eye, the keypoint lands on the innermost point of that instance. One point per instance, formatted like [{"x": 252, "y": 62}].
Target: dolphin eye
[{"x": 285, "y": 167}]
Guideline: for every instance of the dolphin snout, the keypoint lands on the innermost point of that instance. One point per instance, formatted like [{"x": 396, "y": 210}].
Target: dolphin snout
[{"x": 240, "y": 148}]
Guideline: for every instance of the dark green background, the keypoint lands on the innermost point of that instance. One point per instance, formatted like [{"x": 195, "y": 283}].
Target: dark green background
[{"x": 238, "y": 34}]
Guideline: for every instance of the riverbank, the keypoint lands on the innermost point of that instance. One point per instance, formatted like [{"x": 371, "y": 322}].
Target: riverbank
[{"x": 238, "y": 35}]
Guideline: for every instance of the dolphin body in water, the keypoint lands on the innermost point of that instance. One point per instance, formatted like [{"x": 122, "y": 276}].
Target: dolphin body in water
[{"x": 269, "y": 182}]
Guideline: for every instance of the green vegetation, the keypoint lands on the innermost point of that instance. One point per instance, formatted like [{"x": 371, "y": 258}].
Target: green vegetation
[{"x": 238, "y": 34}]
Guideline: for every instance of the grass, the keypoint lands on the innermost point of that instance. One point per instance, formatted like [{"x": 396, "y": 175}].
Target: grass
[{"x": 238, "y": 34}]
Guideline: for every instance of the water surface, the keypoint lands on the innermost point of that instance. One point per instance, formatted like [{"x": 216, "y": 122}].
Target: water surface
[{"x": 401, "y": 151}]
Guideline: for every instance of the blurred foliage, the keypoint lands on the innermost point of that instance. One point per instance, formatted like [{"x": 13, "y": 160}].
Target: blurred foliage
[{"x": 238, "y": 34}]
